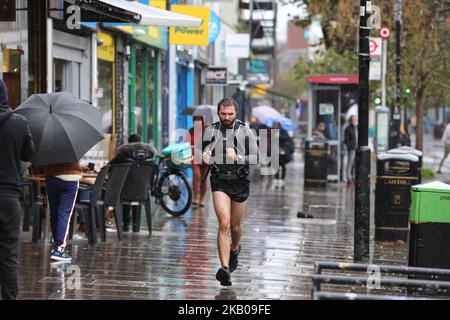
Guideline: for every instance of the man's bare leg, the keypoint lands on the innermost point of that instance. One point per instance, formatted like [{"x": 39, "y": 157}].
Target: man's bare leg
[
  {"x": 222, "y": 206},
  {"x": 237, "y": 212}
]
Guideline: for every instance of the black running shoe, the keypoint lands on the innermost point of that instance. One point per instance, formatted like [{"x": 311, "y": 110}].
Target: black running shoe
[
  {"x": 223, "y": 275},
  {"x": 234, "y": 259}
]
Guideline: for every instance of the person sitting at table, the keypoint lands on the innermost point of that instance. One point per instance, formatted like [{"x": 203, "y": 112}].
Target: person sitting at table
[
  {"x": 132, "y": 152},
  {"x": 62, "y": 181}
]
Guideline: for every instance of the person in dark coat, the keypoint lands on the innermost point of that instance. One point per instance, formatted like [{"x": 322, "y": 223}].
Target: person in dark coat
[
  {"x": 351, "y": 141},
  {"x": 286, "y": 154},
  {"x": 17, "y": 145}
]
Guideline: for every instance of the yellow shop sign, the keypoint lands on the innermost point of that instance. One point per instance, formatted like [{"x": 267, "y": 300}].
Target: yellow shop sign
[
  {"x": 191, "y": 36},
  {"x": 107, "y": 50}
]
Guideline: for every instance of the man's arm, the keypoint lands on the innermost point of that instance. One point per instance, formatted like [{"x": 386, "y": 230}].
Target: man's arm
[
  {"x": 28, "y": 149},
  {"x": 207, "y": 138},
  {"x": 251, "y": 148}
]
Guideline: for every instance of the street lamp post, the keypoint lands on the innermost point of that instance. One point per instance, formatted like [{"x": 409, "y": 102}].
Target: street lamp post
[
  {"x": 396, "y": 115},
  {"x": 362, "y": 186}
]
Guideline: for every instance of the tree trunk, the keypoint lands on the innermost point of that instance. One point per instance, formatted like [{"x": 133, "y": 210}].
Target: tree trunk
[{"x": 419, "y": 117}]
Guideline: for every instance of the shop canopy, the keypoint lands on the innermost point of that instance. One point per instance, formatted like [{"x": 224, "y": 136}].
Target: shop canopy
[{"x": 134, "y": 12}]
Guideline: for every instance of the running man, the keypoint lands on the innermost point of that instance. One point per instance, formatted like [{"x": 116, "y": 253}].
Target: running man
[{"x": 229, "y": 147}]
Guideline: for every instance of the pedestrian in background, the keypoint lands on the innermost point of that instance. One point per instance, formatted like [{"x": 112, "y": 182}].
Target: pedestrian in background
[
  {"x": 319, "y": 131},
  {"x": 286, "y": 154},
  {"x": 351, "y": 141},
  {"x": 199, "y": 170},
  {"x": 446, "y": 141},
  {"x": 17, "y": 145}
]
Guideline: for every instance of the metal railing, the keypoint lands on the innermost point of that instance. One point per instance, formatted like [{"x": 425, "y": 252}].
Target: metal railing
[{"x": 437, "y": 280}]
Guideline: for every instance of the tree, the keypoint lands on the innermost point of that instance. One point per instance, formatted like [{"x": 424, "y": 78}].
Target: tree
[
  {"x": 425, "y": 48},
  {"x": 330, "y": 62},
  {"x": 427, "y": 56},
  {"x": 287, "y": 85}
]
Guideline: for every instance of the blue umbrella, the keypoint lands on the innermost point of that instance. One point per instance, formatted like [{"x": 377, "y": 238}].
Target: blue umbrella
[{"x": 285, "y": 123}]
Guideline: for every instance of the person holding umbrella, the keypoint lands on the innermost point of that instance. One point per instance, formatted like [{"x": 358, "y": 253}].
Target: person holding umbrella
[
  {"x": 64, "y": 128},
  {"x": 17, "y": 145},
  {"x": 62, "y": 183}
]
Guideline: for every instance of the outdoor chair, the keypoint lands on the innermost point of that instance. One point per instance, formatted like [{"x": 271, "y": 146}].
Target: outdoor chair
[
  {"x": 113, "y": 189},
  {"x": 92, "y": 209},
  {"x": 33, "y": 204}
]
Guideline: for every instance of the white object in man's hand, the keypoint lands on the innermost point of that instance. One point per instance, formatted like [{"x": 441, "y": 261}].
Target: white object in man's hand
[
  {"x": 232, "y": 154},
  {"x": 206, "y": 156}
]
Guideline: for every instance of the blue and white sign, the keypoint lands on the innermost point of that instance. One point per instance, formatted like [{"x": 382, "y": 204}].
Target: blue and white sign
[
  {"x": 214, "y": 27},
  {"x": 259, "y": 66},
  {"x": 237, "y": 45}
]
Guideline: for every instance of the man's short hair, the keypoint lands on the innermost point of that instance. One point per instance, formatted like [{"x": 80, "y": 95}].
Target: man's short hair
[
  {"x": 227, "y": 102},
  {"x": 134, "y": 138}
]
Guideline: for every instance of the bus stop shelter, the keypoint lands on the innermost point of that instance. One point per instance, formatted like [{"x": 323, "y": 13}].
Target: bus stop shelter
[{"x": 332, "y": 99}]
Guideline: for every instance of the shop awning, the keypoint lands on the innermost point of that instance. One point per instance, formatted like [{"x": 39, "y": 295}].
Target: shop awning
[{"x": 137, "y": 13}]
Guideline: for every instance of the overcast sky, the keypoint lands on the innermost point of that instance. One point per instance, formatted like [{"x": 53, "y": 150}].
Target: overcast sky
[{"x": 283, "y": 17}]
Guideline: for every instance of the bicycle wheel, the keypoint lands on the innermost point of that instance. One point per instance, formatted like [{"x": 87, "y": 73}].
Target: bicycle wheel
[{"x": 175, "y": 194}]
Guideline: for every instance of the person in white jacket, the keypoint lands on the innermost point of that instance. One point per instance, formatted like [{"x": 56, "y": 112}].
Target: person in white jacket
[{"x": 446, "y": 140}]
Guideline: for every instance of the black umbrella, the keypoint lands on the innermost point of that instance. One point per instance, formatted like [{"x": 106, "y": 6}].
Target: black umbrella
[{"x": 64, "y": 128}]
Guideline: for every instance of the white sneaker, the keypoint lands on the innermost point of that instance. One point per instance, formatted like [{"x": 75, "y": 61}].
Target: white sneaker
[
  {"x": 276, "y": 183},
  {"x": 281, "y": 183}
]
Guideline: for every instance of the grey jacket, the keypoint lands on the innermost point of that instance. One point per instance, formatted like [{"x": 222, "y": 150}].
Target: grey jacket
[{"x": 217, "y": 139}]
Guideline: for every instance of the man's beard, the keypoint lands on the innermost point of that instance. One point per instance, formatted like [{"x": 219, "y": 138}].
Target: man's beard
[{"x": 228, "y": 124}]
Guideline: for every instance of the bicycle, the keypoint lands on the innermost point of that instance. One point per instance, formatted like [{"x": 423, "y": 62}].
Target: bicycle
[{"x": 170, "y": 186}]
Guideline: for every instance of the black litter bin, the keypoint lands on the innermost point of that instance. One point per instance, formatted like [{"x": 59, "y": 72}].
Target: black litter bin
[
  {"x": 438, "y": 131},
  {"x": 396, "y": 173},
  {"x": 414, "y": 152},
  {"x": 409, "y": 150},
  {"x": 316, "y": 163}
]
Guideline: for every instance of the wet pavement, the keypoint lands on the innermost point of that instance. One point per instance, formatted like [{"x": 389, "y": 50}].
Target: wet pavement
[
  {"x": 433, "y": 153},
  {"x": 179, "y": 260}
]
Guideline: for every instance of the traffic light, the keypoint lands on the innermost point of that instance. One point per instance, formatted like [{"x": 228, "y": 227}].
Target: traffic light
[
  {"x": 377, "y": 100},
  {"x": 408, "y": 90}
]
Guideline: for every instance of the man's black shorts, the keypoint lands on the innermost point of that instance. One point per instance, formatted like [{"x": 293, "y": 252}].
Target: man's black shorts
[{"x": 238, "y": 189}]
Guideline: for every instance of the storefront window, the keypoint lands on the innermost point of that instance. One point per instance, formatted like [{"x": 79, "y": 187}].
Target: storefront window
[
  {"x": 58, "y": 67},
  {"x": 105, "y": 93},
  {"x": 150, "y": 90},
  {"x": 139, "y": 93},
  {"x": 66, "y": 76}
]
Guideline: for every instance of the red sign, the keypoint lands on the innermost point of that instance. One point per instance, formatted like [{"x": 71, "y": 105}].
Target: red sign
[
  {"x": 373, "y": 46},
  {"x": 334, "y": 79},
  {"x": 385, "y": 33}
]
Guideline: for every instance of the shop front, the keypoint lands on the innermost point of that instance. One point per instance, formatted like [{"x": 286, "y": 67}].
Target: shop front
[{"x": 145, "y": 46}]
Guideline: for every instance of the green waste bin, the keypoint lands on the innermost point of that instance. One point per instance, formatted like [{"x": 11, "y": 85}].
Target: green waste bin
[{"x": 429, "y": 237}]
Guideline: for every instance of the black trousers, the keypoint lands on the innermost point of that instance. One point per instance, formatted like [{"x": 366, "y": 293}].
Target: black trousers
[
  {"x": 126, "y": 214},
  {"x": 9, "y": 245},
  {"x": 281, "y": 173}
]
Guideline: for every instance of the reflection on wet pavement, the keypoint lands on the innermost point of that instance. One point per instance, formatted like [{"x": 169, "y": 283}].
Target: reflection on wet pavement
[{"x": 179, "y": 261}]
